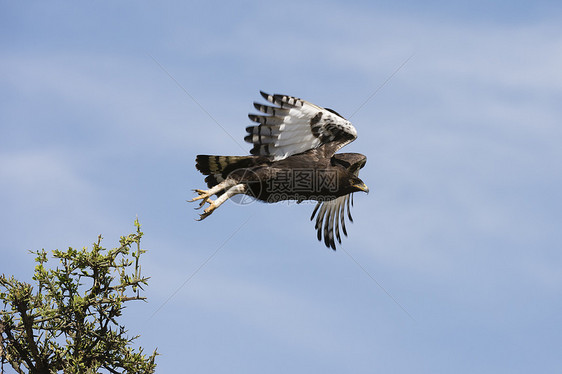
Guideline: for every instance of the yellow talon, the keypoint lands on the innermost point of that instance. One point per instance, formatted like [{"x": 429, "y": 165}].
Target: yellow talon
[
  {"x": 205, "y": 200},
  {"x": 207, "y": 212},
  {"x": 203, "y": 195}
]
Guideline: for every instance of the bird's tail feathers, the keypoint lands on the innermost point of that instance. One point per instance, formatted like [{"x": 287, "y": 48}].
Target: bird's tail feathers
[
  {"x": 217, "y": 168},
  {"x": 209, "y": 165}
]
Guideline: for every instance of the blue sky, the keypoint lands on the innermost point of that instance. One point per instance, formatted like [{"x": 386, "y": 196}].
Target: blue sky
[{"x": 461, "y": 228}]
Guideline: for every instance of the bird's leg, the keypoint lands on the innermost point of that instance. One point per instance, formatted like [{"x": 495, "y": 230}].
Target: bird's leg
[
  {"x": 234, "y": 190},
  {"x": 206, "y": 194}
]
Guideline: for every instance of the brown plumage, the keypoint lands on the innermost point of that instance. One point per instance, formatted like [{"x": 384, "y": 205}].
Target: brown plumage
[{"x": 293, "y": 159}]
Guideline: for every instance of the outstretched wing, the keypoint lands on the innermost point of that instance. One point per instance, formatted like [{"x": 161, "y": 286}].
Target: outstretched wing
[
  {"x": 294, "y": 125},
  {"x": 331, "y": 213}
]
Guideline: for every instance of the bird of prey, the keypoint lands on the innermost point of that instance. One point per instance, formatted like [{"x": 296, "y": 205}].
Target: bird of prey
[{"x": 293, "y": 158}]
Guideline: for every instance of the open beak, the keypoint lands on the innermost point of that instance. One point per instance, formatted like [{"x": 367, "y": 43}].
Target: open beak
[{"x": 362, "y": 187}]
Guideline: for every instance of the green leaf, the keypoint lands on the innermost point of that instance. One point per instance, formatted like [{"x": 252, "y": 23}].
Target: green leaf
[{"x": 78, "y": 301}]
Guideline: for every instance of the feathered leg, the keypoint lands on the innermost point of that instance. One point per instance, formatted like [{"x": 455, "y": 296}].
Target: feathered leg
[
  {"x": 205, "y": 195},
  {"x": 231, "y": 190}
]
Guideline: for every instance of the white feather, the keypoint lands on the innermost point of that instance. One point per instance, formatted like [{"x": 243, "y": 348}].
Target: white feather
[{"x": 294, "y": 134}]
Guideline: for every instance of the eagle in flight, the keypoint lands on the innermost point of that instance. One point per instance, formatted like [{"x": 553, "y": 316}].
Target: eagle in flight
[{"x": 294, "y": 158}]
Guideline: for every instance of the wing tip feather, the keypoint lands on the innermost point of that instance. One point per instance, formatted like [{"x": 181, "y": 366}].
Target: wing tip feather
[
  {"x": 330, "y": 216},
  {"x": 266, "y": 96}
]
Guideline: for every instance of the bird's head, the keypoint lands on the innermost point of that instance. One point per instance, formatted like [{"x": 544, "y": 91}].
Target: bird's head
[{"x": 358, "y": 185}]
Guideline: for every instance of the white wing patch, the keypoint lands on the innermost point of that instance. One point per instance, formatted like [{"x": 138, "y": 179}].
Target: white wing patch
[{"x": 294, "y": 125}]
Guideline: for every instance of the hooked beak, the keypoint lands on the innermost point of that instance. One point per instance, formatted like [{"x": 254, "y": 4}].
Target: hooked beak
[{"x": 362, "y": 187}]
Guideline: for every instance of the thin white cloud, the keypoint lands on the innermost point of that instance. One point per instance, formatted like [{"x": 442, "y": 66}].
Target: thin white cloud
[
  {"x": 45, "y": 178},
  {"x": 117, "y": 98}
]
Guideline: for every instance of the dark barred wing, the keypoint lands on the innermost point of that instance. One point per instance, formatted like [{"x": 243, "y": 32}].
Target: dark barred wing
[
  {"x": 294, "y": 125},
  {"x": 330, "y": 215}
]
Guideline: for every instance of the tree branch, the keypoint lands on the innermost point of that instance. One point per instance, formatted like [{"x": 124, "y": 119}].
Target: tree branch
[{"x": 20, "y": 350}]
